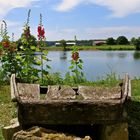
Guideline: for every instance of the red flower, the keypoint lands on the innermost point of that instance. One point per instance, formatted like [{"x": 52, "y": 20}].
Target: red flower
[
  {"x": 41, "y": 32},
  {"x": 5, "y": 44},
  {"x": 75, "y": 56},
  {"x": 39, "y": 28}
]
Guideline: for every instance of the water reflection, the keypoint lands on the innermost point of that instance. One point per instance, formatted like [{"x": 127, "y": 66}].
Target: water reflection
[
  {"x": 110, "y": 55},
  {"x": 136, "y": 55},
  {"x": 122, "y": 55},
  {"x": 63, "y": 55}
]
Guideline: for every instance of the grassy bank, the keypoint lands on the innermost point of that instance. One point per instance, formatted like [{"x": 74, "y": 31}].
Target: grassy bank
[
  {"x": 102, "y": 47},
  {"x": 116, "y": 47},
  {"x": 8, "y": 109}
]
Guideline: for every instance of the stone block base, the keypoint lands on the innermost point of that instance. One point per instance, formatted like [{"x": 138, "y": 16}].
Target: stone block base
[
  {"x": 9, "y": 131},
  {"x": 115, "y": 132}
]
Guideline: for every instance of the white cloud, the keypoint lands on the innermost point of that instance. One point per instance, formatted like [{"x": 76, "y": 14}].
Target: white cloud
[
  {"x": 68, "y": 4},
  {"x": 93, "y": 33},
  {"x": 120, "y": 8},
  {"x": 7, "y": 5}
]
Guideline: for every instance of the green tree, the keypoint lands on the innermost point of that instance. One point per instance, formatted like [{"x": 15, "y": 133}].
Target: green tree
[
  {"x": 133, "y": 39},
  {"x": 136, "y": 42},
  {"x": 111, "y": 41},
  {"x": 122, "y": 40},
  {"x": 63, "y": 43}
]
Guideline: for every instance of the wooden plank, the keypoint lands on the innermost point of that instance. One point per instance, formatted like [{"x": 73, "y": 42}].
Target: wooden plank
[
  {"x": 28, "y": 91},
  {"x": 126, "y": 86},
  {"x": 52, "y": 92},
  {"x": 14, "y": 92},
  {"x": 129, "y": 91},
  {"x": 60, "y": 93},
  {"x": 99, "y": 93},
  {"x": 66, "y": 93},
  {"x": 68, "y": 113}
]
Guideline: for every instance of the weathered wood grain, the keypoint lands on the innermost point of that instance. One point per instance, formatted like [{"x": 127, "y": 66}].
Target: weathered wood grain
[
  {"x": 99, "y": 93},
  {"x": 28, "y": 91},
  {"x": 52, "y": 92}
]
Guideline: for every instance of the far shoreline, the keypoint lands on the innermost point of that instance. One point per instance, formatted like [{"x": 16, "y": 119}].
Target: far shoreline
[{"x": 94, "y": 48}]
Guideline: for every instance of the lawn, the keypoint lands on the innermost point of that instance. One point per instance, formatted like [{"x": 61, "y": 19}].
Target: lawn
[
  {"x": 8, "y": 110},
  {"x": 116, "y": 47}
]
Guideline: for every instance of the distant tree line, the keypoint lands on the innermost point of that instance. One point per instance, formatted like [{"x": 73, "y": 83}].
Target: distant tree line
[{"x": 121, "y": 40}]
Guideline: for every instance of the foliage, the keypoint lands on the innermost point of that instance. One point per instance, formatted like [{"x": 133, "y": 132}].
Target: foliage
[
  {"x": 111, "y": 41},
  {"x": 136, "y": 42},
  {"x": 122, "y": 40},
  {"x": 21, "y": 59},
  {"x": 63, "y": 43},
  {"x": 20, "y": 43},
  {"x": 8, "y": 52}
]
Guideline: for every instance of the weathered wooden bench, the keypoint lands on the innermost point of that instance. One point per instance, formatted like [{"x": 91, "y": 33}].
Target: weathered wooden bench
[{"x": 64, "y": 105}]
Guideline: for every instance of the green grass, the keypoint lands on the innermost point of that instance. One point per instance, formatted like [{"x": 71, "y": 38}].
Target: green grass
[
  {"x": 133, "y": 109},
  {"x": 116, "y": 47},
  {"x": 102, "y": 47},
  {"x": 8, "y": 109}
]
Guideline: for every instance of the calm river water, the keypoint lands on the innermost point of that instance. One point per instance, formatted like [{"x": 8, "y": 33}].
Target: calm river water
[{"x": 97, "y": 64}]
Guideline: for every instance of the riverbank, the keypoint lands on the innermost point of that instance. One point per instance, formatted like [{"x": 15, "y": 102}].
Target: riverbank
[
  {"x": 8, "y": 109},
  {"x": 94, "y": 48}
]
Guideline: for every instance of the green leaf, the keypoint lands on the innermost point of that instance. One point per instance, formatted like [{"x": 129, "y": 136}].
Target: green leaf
[
  {"x": 80, "y": 60},
  {"x": 71, "y": 67},
  {"x": 48, "y": 66},
  {"x": 44, "y": 57},
  {"x": 45, "y": 52},
  {"x": 33, "y": 47},
  {"x": 38, "y": 62},
  {"x": 37, "y": 49},
  {"x": 80, "y": 66},
  {"x": 18, "y": 57}
]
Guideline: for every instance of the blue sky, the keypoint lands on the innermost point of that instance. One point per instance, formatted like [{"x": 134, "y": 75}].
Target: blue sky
[{"x": 63, "y": 19}]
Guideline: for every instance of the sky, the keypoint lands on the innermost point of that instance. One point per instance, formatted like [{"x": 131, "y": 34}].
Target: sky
[{"x": 63, "y": 19}]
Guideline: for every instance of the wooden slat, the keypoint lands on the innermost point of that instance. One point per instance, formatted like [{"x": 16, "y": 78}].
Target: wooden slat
[
  {"x": 28, "y": 91},
  {"x": 52, "y": 92},
  {"x": 66, "y": 93},
  {"x": 60, "y": 93},
  {"x": 14, "y": 92},
  {"x": 129, "y": 91},
  {"x": 125, "y": 88},
  {"x": 99, "y": 93}
]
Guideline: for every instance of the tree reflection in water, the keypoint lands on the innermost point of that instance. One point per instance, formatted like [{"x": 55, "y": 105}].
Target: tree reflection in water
[
  {"x": 136, "y": 55},
  {"x": 63, "y": 55}
]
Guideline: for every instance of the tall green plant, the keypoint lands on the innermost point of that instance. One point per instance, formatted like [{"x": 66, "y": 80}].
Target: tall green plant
[
  {"x": 76, "y": 66},
  {"x": 25, "y": 57},
  {"x": 41, "y": 45},
  {"x": 8, "y": 52}
]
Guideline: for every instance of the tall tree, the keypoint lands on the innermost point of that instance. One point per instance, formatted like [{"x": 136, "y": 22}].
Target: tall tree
[
  {"x": 111, "y": 41},
  {"x": 122, "y": 40},
  {"x": 63, "y": 43}
]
